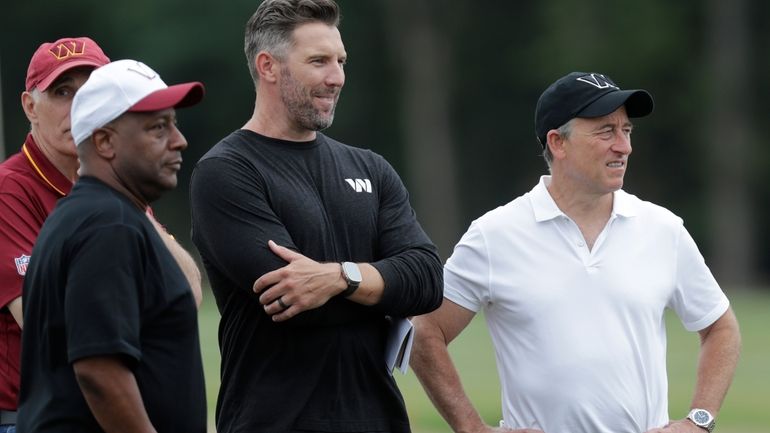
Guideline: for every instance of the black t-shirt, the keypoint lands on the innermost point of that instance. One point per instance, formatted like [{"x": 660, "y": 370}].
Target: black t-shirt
[
  {"x": 324, "y": 369},
  {"x": 101, "y": 282}
]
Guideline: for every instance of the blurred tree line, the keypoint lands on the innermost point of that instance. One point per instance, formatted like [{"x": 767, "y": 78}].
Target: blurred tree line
[{"x": 446, "y": 91}]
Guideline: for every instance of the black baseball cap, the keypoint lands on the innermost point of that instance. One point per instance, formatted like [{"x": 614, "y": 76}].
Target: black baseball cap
[{"x": 585, "y": 94}]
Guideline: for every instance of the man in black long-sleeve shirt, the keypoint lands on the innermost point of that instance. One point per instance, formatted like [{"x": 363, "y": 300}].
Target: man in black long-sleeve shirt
[{"x": 309, "y": 245}]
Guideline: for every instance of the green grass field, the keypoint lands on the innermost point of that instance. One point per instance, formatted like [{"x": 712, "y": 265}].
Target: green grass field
[{"x": 746, "y": 410}]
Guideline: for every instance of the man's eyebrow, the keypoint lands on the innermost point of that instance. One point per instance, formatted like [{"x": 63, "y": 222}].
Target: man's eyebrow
[
  {"x": 612, "y": 125},
  {"x": 64, "y": 78}
]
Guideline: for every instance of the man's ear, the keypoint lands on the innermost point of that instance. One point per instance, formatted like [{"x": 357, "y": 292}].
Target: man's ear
[
  {"x": 555, "y": 143},
  {"x": 267, "y": 67},
  {"x": 104, "y": 142},
  {"x": 28, "y": 105}
]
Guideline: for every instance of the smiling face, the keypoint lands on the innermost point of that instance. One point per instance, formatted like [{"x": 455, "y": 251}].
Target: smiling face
[
  {"x": 594, "y": 157},
  {"x": 312, "y": 75}
]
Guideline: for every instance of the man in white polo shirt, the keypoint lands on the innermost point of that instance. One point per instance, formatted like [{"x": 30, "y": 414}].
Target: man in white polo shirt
[{"x": 573, "y": 278}]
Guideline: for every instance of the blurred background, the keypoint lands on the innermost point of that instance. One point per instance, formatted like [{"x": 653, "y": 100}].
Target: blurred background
[{"x": 446, "y": 91}]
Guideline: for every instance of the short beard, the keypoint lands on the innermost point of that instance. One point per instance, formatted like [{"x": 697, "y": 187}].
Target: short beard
[{"x": 300, "y": 105}]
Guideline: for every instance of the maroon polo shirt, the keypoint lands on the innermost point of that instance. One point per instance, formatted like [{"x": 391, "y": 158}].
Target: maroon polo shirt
[{"x": 30, "y": 185}]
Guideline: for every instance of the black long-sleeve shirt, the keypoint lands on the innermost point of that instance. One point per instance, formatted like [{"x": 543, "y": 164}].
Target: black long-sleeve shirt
[{"x": 324, "y": 369}]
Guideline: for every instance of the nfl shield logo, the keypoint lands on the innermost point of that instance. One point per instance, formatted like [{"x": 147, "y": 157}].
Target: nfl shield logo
[{"x": 21, "y": 264}]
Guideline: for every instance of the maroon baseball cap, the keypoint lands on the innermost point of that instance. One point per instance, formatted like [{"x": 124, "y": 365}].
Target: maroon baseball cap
[{"x": 54, "y": 58}]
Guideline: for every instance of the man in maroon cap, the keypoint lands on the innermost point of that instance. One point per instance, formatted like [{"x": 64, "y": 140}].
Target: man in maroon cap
[{"x": 32, "y": 180}]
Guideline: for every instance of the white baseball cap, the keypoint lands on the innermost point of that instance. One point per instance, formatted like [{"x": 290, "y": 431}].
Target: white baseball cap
[{"x": 121, "y": 86}]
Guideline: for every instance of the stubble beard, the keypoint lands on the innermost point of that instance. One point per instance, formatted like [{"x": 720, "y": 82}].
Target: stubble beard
[{"x": 299, "y": 103}]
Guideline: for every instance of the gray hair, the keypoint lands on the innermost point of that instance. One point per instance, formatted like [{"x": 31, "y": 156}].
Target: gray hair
[
  {"x": 564, "y": 131},
  {"x": 270, "y": 28}
]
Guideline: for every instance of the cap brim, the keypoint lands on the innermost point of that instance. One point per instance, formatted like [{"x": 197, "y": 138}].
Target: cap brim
[
  {"x": 46, "y": 82},
  {"x": 638, "y": 103},
  {"x": 176, "y": 96}
]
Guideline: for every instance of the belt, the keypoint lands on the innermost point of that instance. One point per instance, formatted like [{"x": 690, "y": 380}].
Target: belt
[{"x": 7, "y": 417}]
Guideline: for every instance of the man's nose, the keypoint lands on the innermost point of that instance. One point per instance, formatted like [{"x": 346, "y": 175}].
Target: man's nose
[
  {"x": 336, "y": 76},
  {"x": 622, "y": 143},
  {"x": 177, "y": 140}
]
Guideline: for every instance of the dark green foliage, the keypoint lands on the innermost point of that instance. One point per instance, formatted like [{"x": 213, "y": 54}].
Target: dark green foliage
[{"x": 501, "y": 55}]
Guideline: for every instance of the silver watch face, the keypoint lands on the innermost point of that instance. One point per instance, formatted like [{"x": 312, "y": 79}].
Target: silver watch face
[
  {"x": 701, "y": 417},
  {"x": 352, "y": 273}
]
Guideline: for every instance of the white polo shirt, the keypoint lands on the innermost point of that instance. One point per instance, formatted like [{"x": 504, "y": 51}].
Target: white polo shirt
[{"x": 579, "y": 335}]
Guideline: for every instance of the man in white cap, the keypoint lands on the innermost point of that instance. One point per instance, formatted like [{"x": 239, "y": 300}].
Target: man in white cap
[
  {"x": 574, "y": 278},
  {"x": 111, "y": 341},
  {"x": 34, "y": 179}
]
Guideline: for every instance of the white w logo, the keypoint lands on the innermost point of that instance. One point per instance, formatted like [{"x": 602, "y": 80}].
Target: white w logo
[
  {"x": 360, "y": 185},
  {"x": 143, "y": 70},
  {"x": 598, "y": 80}
]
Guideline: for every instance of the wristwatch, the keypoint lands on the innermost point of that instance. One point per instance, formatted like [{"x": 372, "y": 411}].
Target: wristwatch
[
  {"x": 702, "y": 418},
  {"x": 352, "y": 275}
]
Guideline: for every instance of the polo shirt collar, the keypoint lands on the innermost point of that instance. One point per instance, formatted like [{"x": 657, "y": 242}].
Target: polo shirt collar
[
  {"x": 546, "y": 209},
  {"x": 542, "y": 203},
  {"x": 623, "y": 205},
  {"x": 44, "y": 169}
]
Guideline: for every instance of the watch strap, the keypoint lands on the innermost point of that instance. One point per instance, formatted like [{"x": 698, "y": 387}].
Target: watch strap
[{"x": 349, "y": 290}]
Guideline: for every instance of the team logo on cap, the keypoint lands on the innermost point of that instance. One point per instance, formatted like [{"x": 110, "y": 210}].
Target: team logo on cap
[
  {"x": 598, "y": 80},
  {"x": 143, "y": 70},
  {"x": 68, "y": 49},
  {"x": 21, "y": 264}
]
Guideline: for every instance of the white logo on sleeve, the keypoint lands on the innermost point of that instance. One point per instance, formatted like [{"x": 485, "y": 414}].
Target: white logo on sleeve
[
  {"x": 21, "y": 264},
  {"x": 360, "y": 185}
]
